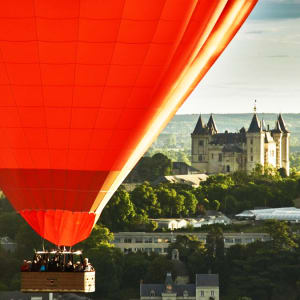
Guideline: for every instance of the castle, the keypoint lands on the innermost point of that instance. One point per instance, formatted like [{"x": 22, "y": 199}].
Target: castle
[{"x": 214, "y": 152}]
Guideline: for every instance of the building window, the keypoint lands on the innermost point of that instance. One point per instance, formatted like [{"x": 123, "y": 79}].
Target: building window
[
  {"x": 212, "y": 293},
  {"x": 251, "y": 150},
  {"x": 212, "y": 156},
  {"x": 152, "y": 293},
  {"x": 228, "y": 168},
  {"x": 200, "y": 157},
  {"x": 202, "y": 293},
  {"x": 251, "y": 141},
  {"x": 139, "y": 240},
  {"x": 201, "y": 143},
  {"x": 220, "y": 157},
  {"x": 251, "y": 158},
  {"x": 127, "y": 240}
]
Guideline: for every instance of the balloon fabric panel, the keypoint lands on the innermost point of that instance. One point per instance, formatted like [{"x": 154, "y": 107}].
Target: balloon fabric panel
[{"x": 85, "y": 87}]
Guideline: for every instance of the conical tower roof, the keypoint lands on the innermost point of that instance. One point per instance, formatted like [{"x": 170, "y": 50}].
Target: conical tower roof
[
  {"x": 200, "y": 128},
  {"x": 254, "y": 126},
  {"x": 282, "y": 124},
  {"x": 211, "y": 125},
  {"x": 277, "y": 128}
]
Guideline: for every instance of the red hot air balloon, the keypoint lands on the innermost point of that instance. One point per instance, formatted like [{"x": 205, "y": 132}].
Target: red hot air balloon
[{"x": 85, "y": 87}]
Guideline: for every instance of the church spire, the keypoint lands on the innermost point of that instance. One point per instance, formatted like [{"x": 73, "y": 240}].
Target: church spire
[
  {"x": 211, "y": 125},
  {"x": 282, "y": 124}
]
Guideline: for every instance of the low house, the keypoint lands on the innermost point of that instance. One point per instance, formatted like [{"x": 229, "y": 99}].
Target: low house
[
  {"x": 206, "y": 287},
  {"x": 171, "y": 224}
]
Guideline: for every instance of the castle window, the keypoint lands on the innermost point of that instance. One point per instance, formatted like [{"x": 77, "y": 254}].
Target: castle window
[
  {"x": 251, "y": 141},
  {"x": 200, "y": 157},
  {"x": 202, "y": 293},
  {"x": 201, "y": 143},
  {"x": 251, "y": 158},
  {"x": 220, "y": 157},
  {"x": 212, "y": 293},
  {"x": 228, "y": 168}
]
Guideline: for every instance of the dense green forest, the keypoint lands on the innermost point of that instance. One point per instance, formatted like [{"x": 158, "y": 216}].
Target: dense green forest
[{"x": 259, "y": 270}]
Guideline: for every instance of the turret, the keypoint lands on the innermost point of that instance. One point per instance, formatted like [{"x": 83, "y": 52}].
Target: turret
[
  {"x": 277, "y": 136},
  {"x": 211, "y": 125},
  {"x": 285, "y": 145},
  {"x": 255, "y": 144},
  {"x": 200, "y": 139}
]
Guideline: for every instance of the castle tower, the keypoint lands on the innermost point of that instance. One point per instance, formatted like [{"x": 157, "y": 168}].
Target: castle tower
[
  {"x": 200, "y": 140},
  {"x": 255, "y": 144},
  {"x": 285, "y": 145},
  {"x": 277, "y": 136}
]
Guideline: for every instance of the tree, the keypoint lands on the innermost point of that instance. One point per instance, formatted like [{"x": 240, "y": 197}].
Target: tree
[
  {"x": 119, "y": 212},
  {"x": 100, "y": 236},
  {"x": 282, "y": 237},
  {"x": 186, "y": 245},
  {"x": 145, "y": 198},
  {"x": 158, "y": 268},
  {"x": 171, "y": 203},
  {"x": 190, "y": 203}
]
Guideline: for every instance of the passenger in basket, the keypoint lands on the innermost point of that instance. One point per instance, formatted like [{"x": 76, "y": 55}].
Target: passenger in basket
[
  {"x": 87, "y": 267},
  {"x": 25, "y": 266},
  {"x": 69, "y": 267},
  {"x": 43, "y": 266}
]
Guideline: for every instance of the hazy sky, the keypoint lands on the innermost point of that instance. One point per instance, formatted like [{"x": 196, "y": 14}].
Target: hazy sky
[{"x": 262, "y": 62}]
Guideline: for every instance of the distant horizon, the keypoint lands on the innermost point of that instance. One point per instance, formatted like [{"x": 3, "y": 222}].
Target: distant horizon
[{"x": 239, "y": 113}]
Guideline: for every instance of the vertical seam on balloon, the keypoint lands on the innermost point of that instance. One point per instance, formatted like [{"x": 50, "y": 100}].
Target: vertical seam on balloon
[
  {"x": 102, "y": 92},
  {"x": 72, "y": 104},
  {"x": 158, "y": 20},
  {"x": 43, "y": 98},
  {"x": 18, "y": 113},
  {"x": 142, "y": 141},
  {"x": 140, "y": 67}
]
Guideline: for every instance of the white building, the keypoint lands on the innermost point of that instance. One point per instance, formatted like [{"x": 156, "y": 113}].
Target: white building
[
  {"x": 159, "y": 241},
  {"x": 291, "y": 214}
]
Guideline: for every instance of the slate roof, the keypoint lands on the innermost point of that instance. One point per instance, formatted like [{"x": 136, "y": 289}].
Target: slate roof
[
  {"x": 207, "y": 280},
  {"x": 200, "y": 128},
  {"x": 282, "y": 124},
  {"x": 212, "y": 125},
  {"x": 228, "y": 138},
  {"x": 277, "y": 128},
  {"x": 145, "y": 289},
  {"x": 254, "y": 125}
]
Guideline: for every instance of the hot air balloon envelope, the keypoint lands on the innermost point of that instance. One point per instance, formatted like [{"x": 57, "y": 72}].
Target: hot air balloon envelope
[{"x": 85, "y": 87}]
